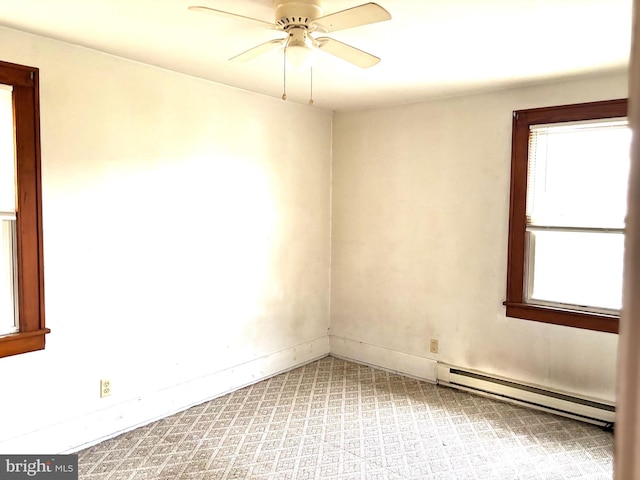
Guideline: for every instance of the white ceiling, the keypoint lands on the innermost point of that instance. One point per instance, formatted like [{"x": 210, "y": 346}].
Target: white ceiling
[{"x": 430, "y": 48}]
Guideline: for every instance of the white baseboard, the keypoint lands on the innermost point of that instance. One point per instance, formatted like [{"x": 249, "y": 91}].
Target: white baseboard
[
  {"x": 406, "y": 364},
  {"x": 81, "y": 432}
]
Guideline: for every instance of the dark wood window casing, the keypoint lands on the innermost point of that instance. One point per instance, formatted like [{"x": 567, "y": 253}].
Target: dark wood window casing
[
  {"x": 516, "y": 265},
  {"x": 26, "y": 106}
]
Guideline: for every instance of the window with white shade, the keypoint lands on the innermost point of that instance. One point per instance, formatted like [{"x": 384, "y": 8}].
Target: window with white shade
[
  {"x": 576, "y": 205},
  {"x": 570, "y": 169},
  {"x": 8, "y": 279}
]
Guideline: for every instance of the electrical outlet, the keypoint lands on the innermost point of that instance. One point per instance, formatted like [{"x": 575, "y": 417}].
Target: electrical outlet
[
  {"x": 433, "y": 345},
  {"x": 105, "y": 388}
]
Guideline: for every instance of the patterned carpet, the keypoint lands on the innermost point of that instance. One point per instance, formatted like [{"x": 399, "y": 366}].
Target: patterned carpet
[{"x": 334, "y": 419}]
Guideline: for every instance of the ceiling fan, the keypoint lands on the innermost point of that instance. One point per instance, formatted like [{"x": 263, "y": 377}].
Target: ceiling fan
[{"x": 298, "y": 19}]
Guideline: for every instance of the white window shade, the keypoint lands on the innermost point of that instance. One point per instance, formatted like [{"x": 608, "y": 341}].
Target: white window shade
[
  {"x": 7, "y": 152},
  {"x": 575, "y": 174}
]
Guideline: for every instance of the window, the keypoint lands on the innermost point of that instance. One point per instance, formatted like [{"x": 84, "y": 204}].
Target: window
[
  {"x": 22, "y": 327},
  {"x": 569, "y": 175},
  {"x": 8, "y": 277}
]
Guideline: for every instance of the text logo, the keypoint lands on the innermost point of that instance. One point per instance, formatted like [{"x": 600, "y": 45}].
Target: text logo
[{"x": 41, "y": 467}]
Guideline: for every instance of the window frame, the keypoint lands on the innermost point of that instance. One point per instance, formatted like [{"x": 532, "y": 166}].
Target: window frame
[
  {"x": 29, "y": 249},
  {"x": 515, "y": 303}
]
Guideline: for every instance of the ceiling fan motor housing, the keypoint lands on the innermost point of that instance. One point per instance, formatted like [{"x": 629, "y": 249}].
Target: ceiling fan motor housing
[
  {"x": 299, "y": 37},
  {"x": 296, "y": 13}
]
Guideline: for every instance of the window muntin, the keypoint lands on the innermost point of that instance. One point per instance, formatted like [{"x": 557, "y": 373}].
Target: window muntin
[{"x": 582, "y": 202}]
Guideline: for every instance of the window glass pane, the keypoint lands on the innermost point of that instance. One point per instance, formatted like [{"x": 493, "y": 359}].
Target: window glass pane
[
  {"x": 7, "y": 277},
  {"x": 578, "y": 174},
  {"x": 577, "y": 268},
  {"x": 7, "y": 155}
]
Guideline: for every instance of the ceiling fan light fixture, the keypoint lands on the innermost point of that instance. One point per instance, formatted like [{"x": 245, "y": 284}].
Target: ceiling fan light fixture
[
  {"x": 299, "y": 57},
  {"x": 299, "y": 52}
]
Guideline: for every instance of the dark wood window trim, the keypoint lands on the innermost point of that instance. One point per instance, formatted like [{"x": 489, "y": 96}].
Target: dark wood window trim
[
  {"x": 26, "y": 105},
  {"x": 515, "y": 302}
]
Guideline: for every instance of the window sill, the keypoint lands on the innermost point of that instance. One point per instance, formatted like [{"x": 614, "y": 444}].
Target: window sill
[
  {"x": 22, "y": 342},
  {"x": 571, "y": 318}
]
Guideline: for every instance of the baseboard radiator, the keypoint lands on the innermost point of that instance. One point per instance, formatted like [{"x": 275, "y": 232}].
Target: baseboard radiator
[{"x": 586, "y": 409}]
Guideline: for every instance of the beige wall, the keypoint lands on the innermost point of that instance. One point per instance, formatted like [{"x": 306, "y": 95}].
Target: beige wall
[
  {"x": 186, "y": 238},
  {"x": 419, "y": 242}
]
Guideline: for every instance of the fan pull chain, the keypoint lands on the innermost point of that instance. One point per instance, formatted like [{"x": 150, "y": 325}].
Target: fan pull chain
[
  {"x": 311, "y": 87},
  {"x": 284, "y": 76},
  {"x": 284, "y": 70}
]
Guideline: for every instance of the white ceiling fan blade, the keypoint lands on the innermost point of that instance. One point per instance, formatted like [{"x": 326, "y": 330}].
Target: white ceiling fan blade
[
  {"x": 199, "y": 8},
  {"x": 258, "y": 50},
  {"x": 351, "y": 17},
  {"x": 347, "y": 52}
]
